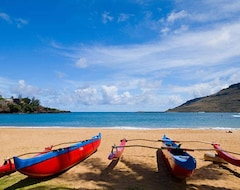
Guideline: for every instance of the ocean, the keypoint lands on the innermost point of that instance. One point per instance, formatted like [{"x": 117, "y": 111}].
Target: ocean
[{"x": 124, "y": 120}]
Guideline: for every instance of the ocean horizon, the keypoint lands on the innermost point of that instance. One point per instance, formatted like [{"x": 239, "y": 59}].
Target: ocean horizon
[{"x": 124, "y": 120}]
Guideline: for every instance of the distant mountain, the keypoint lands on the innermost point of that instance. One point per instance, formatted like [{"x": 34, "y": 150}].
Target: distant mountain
[{"x": 226, "y": 100}]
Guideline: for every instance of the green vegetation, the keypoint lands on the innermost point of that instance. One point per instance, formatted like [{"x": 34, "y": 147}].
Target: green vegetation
[
  {"x": 24, "y": 105},
  {"x": 18, "y": 181}
]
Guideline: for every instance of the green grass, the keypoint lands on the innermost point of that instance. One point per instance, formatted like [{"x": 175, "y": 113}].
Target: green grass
[{"x": 18, "y": 181}]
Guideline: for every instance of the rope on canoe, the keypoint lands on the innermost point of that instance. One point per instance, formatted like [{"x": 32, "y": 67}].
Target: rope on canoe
[
  {"x": 130, "y": 146},
  {"x": 73, "y": 142},
  {"x": 27, "y": 154},
  {"x": 150, "y": 140},
  {"x": 212, "y": 149},
  {"x": 185, "y": 149},
  {"x": 204, "y": 142},
  {"x": 142, "y": 140},
  {"x": 44, "y": 152},
  {"x": 66, "y": 143}
]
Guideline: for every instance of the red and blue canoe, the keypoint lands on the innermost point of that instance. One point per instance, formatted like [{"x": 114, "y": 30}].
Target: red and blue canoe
[
  {"x": 180, "y": 163},
  {"x": 8, "y": 166},
  {"x": 116, "y": 154},
  {"x": 57, "y": 161},
  {"x": 226, "y": 156}
]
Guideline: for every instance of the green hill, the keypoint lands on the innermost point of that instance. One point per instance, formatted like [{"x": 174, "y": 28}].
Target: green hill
[
  {"x": 24, "y": 105},
  {"x": 226, "y": 100}
]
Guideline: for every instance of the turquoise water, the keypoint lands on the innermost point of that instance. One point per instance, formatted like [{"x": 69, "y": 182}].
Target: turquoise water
[{"x": 136, "y": 120}]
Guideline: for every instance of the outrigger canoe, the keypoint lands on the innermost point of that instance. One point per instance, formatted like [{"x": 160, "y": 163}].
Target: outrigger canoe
[
  {"x": 180, "y": 163},
  {"x": 8, "y": 166},
  {"x": 57, "y": 161},
  {"x": 116, "y": 154},
  {"x": 226, "y": 156}
]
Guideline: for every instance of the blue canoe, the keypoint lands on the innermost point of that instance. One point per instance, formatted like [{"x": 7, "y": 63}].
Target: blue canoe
[{"x": 180, "y": 163}]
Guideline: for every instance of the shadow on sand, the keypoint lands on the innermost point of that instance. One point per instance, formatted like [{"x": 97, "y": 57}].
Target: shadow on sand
[
  {"x": 230, "y": 170},
  {"x": 111, "y": 166},
  {"x": 167, "y": 181},
  {"x": 25, "y": 182},
  {"x": 128, "y": 174}
]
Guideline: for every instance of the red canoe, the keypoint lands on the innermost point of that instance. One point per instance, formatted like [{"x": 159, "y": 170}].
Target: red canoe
[
  {"x": 57, "y": 161},
  {"x": 180, "y": 163},
  {"x": 116, "y": 154},
  {"x": 8, "y": 166},
  {"x": 226, "y": 156}
]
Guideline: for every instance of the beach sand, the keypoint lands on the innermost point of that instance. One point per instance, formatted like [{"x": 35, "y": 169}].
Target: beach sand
[{"x": 138, "y": 168}]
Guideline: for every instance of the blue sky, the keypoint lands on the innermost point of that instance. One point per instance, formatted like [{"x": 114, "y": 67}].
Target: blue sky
[{"x": 130, "y": 55}]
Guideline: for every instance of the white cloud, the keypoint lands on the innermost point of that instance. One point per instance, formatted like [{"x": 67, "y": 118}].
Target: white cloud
[
  {"x": 20, "y": 22},
  {"x": 197, "y": 56},
  {"x": 203, "y": 48},
  {"x": 106, "y": 17},
  {"x": 197, "y": 63},
  {"x": 183, "y": 28},
  {"x": 124, "y": 17},
  {"x": 86, "y": 96},
  {"x": 110, "y": 96},
  {"x": 24, "y": 89},
  {"x": 201, "y": 89},
  {"x": 5, "y": 17},
  {"x": 176, "y": 16},
  {"x": 81, "y": 63}
]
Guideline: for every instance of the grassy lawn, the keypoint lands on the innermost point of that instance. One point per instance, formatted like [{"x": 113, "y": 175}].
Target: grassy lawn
[{"x": 18, "y": 181}]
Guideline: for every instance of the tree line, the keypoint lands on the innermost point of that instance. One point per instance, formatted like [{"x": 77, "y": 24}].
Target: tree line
[{"x": 24, "y": 105}]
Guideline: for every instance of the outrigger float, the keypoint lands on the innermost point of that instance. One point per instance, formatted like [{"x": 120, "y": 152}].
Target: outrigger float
[
  {"x": 117, "y": 151},
  {"x": 226, "y": 156},
  {"x": 180, "y": 163}
]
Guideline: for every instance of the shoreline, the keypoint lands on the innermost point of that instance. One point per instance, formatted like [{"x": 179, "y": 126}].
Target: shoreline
[
  {"x": 137, "y": 169},
  {"x": 119, "y": 128}
]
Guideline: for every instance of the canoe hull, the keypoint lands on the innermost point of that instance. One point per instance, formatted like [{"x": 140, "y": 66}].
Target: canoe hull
[
  {"x": 7, "y": 168},
  {"x": 57, "y": 161},
  {"x": 176, "y": 169},
  {"x": 227, "y": 157},
  {"x": 180, "y": 163},
  {"x": 116, "y": 154}
]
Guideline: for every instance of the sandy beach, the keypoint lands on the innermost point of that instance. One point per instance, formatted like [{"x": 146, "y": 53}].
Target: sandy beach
[{"x": 138, "y": 168}]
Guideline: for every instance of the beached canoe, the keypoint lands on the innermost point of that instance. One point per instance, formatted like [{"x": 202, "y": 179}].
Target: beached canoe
[
  {"x": 117, "y": 151},
  {"x": 180, "y": 163},
  {"x": 57, "y": 161},
  {"x": 8, "y": 166},
  {"x": 226, "y": 156}
]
